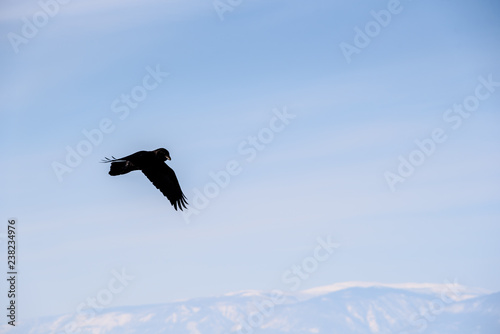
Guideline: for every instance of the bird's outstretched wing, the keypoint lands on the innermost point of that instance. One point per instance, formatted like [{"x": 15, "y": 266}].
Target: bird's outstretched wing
[{"x": 163, "y": 178}]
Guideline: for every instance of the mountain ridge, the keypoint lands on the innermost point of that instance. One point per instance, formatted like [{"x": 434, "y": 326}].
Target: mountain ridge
[{"x": 349, "y": 307}]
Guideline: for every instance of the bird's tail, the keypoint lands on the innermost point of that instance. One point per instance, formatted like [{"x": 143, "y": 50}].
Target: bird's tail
[{"x": 121, "y": 167}]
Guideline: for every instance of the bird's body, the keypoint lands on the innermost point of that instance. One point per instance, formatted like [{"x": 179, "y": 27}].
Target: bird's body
[{"x": 152, "y": 164}]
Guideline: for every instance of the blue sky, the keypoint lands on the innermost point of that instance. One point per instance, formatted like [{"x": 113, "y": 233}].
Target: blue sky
[{"x": 323, "y": 174}]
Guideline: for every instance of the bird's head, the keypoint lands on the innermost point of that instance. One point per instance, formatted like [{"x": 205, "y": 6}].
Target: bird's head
[{"x": 162, "y": 154}]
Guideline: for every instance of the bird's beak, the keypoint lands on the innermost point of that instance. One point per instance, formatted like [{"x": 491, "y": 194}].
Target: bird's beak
[{"x": 168, "y": 158}]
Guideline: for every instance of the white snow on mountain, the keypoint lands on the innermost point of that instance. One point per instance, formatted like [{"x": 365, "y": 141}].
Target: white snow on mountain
[
  {"x": 351, "y": 307},
  {"x": 456, "y": 291}
]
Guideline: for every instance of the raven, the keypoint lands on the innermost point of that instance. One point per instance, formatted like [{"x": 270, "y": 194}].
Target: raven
[{"x": 151, "y": 163}]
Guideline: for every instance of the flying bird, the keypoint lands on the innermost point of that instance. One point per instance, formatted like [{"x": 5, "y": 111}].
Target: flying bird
[{"x": 152, "y": 164}]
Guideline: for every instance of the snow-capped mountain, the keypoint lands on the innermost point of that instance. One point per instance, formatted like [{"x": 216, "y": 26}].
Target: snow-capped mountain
[{"x": 354, "y": 307}]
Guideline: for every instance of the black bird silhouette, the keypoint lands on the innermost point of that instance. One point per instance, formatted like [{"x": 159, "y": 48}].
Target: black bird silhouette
[{"x": 152, "y": 164}]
